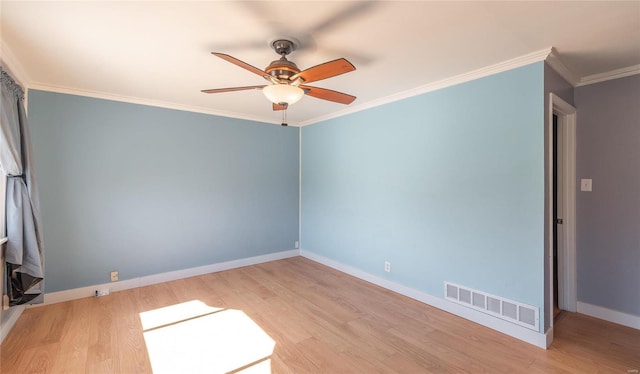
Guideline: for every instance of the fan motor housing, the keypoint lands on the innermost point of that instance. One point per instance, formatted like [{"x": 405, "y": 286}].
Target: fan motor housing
[{"x": 282, "y": 69}]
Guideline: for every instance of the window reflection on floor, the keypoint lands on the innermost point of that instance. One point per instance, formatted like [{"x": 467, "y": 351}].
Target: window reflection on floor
[{"x": 193, "y": 337}]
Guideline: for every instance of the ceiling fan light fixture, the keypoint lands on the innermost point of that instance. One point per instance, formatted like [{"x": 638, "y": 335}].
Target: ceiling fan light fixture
[{"x": 283, "y": 93}]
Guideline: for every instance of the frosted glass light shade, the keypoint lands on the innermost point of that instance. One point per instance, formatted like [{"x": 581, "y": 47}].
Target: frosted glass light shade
[{"x": 283, "y": 93}]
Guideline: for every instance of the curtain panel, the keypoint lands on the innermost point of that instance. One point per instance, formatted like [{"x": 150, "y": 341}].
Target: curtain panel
[{"x": 24, "y": 251}]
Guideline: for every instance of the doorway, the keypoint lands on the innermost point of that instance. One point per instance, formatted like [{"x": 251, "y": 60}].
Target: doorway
[
  {"x": 561, "y": 219},
  {"x": 557, "y": 211}
]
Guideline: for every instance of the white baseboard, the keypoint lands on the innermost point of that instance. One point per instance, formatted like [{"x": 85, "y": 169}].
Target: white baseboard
[
  {"x": 536, "y": 338},
  {"x": 9, "y": 318},
  {"x": 609, "y": 315},
  {"x": 78, "y": 293},
  {"x": 522, "y": 333},
  {"x": 549, "y": 336}
]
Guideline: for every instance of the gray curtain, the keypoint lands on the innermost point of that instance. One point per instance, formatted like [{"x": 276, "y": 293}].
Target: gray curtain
[{"x": 24, "y": 251}]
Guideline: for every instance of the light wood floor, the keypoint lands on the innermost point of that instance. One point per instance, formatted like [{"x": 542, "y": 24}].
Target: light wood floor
[{"x": 318, "y": 321}]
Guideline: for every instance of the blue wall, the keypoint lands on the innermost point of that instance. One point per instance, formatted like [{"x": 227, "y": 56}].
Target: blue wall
[
  {"x": 447, "y": 186},
  {"x": 146, "y": 190}
]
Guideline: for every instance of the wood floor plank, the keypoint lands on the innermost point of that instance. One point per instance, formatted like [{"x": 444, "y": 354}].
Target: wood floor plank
[
  {"x": 132, "y": 352},
  {"x": 155, "y": 296},
  {"x": 36, "y": 360},
  {"x": 405, "y": 363},
  {"x": 277, "y": 317},
  {"x": 74, "y": 340},
  {"x": 14, "y": 347},
  {"x": 317, "y": 320},
  {"x": 103, "y": 344}
]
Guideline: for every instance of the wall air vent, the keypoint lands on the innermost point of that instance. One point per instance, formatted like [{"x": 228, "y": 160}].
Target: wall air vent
[{"x": 508, "y": 310}]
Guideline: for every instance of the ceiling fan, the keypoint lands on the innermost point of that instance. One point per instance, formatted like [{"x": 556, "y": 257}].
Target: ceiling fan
[{"x": 287, "y": 81}]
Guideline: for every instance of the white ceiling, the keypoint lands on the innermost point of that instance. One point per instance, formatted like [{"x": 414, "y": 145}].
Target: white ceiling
[{"x": 159, "y": 52}]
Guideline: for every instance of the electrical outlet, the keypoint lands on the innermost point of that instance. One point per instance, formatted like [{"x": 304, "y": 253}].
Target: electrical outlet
[
  {"x": 296, "y": 244},
  {"x": 114, "y": 276},
  {"x": 387, "y": 266},
  {"x": 103, "y": 292}
]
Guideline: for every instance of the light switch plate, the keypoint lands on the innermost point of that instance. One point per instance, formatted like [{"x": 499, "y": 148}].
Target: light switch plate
[{"x": 585, "y": 185}]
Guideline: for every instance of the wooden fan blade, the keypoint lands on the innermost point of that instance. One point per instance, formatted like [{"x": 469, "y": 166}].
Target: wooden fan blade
[
  {"x": 230, "y": 89},
  {"x": 324, "y": 71},
  {"x": 325, "y": 94},
  {"x": 242, "y": 64},
  {"x": 279, "y": 107}
]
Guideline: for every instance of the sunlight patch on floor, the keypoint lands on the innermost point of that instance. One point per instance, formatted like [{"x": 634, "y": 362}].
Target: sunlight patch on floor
[
  {"x": 193, "y": 337},
  {"x": 175, "y": 313}
]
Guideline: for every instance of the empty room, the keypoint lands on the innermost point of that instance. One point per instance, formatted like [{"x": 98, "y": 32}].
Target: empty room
[{"x": 320, "y": 186}]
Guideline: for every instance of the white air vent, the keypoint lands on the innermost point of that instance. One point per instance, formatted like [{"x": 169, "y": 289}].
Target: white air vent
[{"x": 508, "y": 310}]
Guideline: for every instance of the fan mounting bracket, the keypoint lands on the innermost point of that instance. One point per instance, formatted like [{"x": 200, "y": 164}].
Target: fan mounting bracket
[{"x": 284, "y": 45}]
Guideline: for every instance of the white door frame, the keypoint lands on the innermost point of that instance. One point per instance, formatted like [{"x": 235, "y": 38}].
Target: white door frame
[{"x": 567, "y": 276}]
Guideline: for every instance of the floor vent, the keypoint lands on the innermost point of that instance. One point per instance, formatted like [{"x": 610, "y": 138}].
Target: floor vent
[{"x": 508, "y": 310}]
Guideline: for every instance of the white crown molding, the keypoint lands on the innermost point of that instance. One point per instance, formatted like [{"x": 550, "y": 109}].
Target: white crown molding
[
  {"x": 500, "y": 67},
  {"x": 23, "y": 78},
  {"x": 503, "y": 66},
  {"x": 149, "y": 102},
  {"x": 11, "y": 64},
  {"x": 561, "y": 68},
  {"x": 613, "y": 74},
  {"x": 549, "y": 55}
]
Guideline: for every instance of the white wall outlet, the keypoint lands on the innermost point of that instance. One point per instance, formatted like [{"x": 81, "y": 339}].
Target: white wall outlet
[
  {"x": 296, "y": 244},
  {"x": 114, "y": 276},
  {"x": 103, "y": 292},
  {"x": 387, "y": 266},
  {"x": 585, "y": 185}
]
